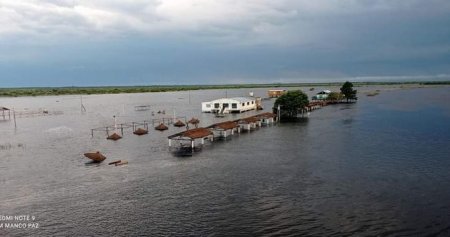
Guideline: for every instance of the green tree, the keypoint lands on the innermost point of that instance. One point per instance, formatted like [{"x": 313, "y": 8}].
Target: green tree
[
  {"x": 291, "y": 103},
  {"x": 347, "y": 90},
  {"x": 335, "y": 96}
]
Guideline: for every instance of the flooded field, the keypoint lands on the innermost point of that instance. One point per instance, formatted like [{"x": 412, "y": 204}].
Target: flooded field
[{"x": 377, "y": 167}]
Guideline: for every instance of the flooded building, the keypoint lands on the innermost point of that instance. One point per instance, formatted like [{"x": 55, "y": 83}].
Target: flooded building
[
  {"x": 276, "y": 93},
  {"x": 230, "y": 105},
  {"x": 321, "y": 95}
]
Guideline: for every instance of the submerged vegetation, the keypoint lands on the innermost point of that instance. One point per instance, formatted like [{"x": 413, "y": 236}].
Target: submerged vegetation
[
  {"x": 348, "y": 92},
  {"x": 290, "y": 103}
]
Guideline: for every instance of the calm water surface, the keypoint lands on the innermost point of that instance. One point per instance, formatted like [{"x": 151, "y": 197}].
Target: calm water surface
[{"x": 376, "y": 168}]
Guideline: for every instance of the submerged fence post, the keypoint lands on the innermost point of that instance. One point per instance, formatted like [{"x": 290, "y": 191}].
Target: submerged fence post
[{"x": 14, "y": 115}]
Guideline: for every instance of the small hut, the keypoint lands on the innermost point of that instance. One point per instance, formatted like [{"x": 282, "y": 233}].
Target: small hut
[
  {"x": 194, "y": 122},
  {"x": 114, "y": 137},
  {"x": 249, "y": 123},
  {"x": 267, "y": 118},
  {"x": 140, "y": 131},
  {"x": 191, "y": 136},
  {"x": 179, "y": 124},
  {"x": 161, "y": 127},
  {"x": 223, "y": 128},
  {"x": 5, "y": 111}
]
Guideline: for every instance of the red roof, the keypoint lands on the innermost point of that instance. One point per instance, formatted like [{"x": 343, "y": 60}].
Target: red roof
[{"x": 193, "y": 133}]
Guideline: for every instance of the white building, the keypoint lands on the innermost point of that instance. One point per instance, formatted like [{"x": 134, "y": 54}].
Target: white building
[
  {"x": 230, "y": 105},
  {"x": 321, "y": 95}
]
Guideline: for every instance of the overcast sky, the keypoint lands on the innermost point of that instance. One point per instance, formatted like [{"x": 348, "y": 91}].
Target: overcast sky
[{"x": 124, "y": 42}]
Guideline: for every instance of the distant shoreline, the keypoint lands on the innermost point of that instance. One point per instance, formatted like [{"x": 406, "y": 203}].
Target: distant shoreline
[{"x": 97, "y": 90}]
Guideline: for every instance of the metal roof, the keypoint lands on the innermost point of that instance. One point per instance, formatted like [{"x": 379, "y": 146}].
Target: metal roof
[
  {"x": 193, "y": 133},
  {"x": 238, "y": 99}
]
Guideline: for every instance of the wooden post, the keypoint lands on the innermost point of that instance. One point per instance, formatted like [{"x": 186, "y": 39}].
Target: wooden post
[
  {"x": 14, "y": 115},
  {"x": 92, "y": 132},
  {"x": 192, "y": 144},
  {"x": 279, "y": 113}
]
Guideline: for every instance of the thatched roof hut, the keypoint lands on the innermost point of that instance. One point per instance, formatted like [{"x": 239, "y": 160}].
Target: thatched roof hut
[
  {"x": 95, "y": 156},
  {"x": 179, "y": 124},
  {"x": 194, "y": 121},
  {"x": 140, "y": 131},
  {"x": 161, "y": 127},
  {"x": 114, "y": 137}
]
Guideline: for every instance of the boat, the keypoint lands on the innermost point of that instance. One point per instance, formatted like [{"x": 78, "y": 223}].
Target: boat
[
  {"x": 95, "y": 156},
  {"x": 142, "y": 107},
  {"x": 140, "y": 131}
]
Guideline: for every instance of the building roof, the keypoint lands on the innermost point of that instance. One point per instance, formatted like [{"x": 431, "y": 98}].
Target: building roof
[
  {"x": 225, "y": 125},
  {"x": 252, "y": 119},
  {"x": 238, "y": 99},
  {"x": 3, "y": 108},
  {"x": 266, "y": 115},
  {"x": 324, "y": 92},
  {"x": 193, "y": 133}
]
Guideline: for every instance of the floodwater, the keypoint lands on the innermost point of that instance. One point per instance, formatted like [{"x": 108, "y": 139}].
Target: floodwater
[{"x": 379, "y": 167}]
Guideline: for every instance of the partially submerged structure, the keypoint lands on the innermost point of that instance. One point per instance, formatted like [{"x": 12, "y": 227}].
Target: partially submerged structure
[
  {"x": 275, "y": 93},
  {"x": 225, "y": 129},
  {"x": 114, "y": 137},
  {"x": 187, "y": 140},
  {"x": 321, "y": 95},
  {"x": 5, "y": 111},
  {"x": 179, "y": 124},
  {"x": 194, "y": 121},
  {"x": 140, "y": 131},
  {"x": 95, "y": 156},
  {"x": 142, "y": 107},
  {"x": 161, "y": 127},
  {"x": 230, "y": 105},
  {"x": 249, "y": 123},
  {"x": 267, "y": 118}
]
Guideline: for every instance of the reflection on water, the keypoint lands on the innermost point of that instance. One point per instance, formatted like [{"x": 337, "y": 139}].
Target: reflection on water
[{"x": 370, "y": 168}]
